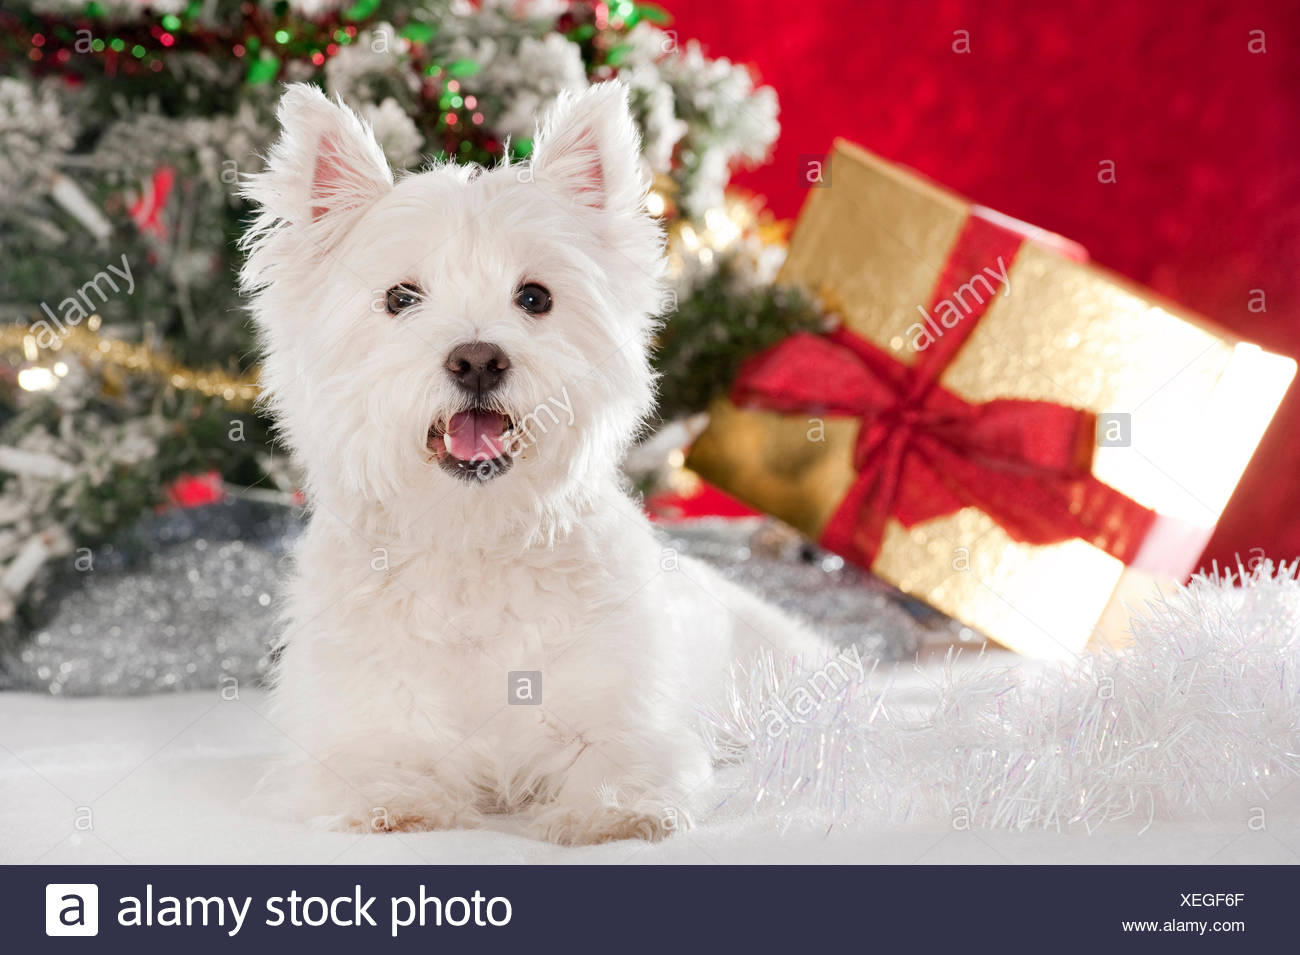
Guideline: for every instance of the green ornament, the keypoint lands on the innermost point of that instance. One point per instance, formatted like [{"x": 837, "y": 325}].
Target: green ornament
[
  {"x": 617, "y": 54},
  {"x": 462, "y": 68},
  {"x": 649, "y": 11},
  {"x": 419, "y": 32},
  {"x": 263, "y": 70},
  {"x": 361, "y": 9}
]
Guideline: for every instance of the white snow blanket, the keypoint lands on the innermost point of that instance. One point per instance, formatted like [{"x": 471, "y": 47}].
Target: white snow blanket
[{"x": 168, "y": 779}]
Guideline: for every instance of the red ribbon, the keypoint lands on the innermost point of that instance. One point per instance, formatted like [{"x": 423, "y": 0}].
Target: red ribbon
[{"x": 924, "y": 452}]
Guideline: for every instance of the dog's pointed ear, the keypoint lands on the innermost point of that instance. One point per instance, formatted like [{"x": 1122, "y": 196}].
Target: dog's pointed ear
[
  {"x": 588, "y": 151},
  {"x": 325, "y": 168}
]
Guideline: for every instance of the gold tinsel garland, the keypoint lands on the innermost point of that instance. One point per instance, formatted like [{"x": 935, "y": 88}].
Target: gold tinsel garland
[{"x": 86, "y": 342}]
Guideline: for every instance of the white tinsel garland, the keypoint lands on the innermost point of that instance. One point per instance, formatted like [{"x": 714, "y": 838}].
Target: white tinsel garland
[{"x": 1202, "y": 709}]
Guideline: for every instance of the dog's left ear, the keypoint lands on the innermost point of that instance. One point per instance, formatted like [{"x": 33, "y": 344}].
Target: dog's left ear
[{"x": 589, "y": 151}]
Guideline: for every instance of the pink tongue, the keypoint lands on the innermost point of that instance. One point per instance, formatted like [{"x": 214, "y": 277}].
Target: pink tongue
[{"x": 476, "y": 435}]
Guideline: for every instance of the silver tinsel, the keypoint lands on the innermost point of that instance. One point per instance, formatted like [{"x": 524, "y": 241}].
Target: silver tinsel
[
  {"x": 1202, "y": 710},
  {"x": 842, "y": 602},
  {"x": 189, "y": 597},
  {"x": 185, "y": 599}
]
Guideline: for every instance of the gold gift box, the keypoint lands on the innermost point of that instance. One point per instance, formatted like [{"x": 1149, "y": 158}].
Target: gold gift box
[{"x": 872, "y": 242}]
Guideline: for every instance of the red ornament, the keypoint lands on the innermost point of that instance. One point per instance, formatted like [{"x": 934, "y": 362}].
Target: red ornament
[
  {"x": 195, "y": 490},
  {"x": 146, "y": 211}
]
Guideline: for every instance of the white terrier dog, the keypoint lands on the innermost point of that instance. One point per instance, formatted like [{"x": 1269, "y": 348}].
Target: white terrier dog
[{"x": 482, "y": 621}]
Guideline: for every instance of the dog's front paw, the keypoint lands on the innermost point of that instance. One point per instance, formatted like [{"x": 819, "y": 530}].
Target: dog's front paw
[
  {"x": 381, "y": 819},
  {"x": 584, "y": 827},
  {"x": 353, "y": 794}
]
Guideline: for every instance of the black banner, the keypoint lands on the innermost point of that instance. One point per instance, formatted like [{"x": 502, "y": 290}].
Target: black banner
[{"x": 650, "y": 909}]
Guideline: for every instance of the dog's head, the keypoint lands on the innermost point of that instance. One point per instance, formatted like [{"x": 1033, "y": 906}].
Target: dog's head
[{"x": 458, "y": 334}]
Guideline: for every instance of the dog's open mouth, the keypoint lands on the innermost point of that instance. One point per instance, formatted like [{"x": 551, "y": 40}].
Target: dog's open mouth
[{"x": 476, "y": 444}]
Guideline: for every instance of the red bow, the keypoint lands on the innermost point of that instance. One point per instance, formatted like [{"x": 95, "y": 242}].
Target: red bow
[{"x": 924, "y": 452}]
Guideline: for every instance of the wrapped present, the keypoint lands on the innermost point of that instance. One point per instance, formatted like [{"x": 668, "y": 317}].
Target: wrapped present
[{"x": 1019, "y": 438}]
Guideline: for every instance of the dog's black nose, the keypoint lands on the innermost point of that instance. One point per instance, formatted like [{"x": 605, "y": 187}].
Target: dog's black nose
[{"x": 477, "y": 366}]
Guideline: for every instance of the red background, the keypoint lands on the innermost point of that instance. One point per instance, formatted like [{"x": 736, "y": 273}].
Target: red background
[{"x": 1203, "y": 134}]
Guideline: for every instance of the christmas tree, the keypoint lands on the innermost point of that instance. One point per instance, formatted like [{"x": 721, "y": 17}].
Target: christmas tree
[{"x": 126, "y": 129}]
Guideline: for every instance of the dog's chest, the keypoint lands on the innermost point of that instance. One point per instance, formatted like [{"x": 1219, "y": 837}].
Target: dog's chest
[
  {"x": 517, "y": 609},
  {"x": 501, "y": 646},
  {"x": 473, "y": 640},
  {"x": 510, "y": 612}
]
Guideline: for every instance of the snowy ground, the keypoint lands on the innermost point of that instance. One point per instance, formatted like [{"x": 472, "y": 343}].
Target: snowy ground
[{"x": 166, "y": 779}]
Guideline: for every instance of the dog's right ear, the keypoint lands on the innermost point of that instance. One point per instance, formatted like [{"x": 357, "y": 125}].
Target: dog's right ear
[{"x": 325, "y": 169}]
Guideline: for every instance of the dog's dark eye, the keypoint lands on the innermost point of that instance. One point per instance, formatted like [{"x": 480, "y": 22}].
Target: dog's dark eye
[
  {"x": 533, "y": 299},
  {"x": 401, "y": 297}
]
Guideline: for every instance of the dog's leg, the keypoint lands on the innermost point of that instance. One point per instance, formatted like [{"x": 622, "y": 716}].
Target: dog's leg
[
  {"x": 630, "y": 790},
  {"x": 382, "y": 788}
]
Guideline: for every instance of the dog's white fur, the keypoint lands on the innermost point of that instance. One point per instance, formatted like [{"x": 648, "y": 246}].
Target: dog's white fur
[{"x": 416, "y": 592}]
